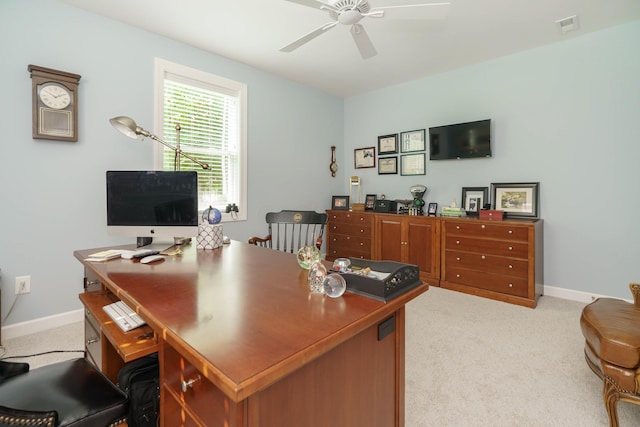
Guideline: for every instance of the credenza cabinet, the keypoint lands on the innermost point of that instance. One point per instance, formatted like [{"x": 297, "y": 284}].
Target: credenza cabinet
[
  {"x": 496, "y": 259},
  {"x": 409, "y": 239},
  {"x": 501, "y": 260}
]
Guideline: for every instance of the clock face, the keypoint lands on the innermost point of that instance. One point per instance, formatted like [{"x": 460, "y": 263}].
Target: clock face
[{"x": 54, "y": 96}]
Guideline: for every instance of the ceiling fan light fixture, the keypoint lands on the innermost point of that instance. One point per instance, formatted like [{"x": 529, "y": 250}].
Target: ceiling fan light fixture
[{"x": 350, "y": 17}]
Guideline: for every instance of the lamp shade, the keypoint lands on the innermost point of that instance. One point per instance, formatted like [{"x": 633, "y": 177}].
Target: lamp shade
[{"x": 127, "y": 126}]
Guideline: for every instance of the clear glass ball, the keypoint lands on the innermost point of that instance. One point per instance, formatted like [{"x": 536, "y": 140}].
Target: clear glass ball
[
  {"x": 317, "y": 273},
  {"x": 342, "y": 264},
  {"x": 307, "y": 255},
  {"x": 334, "y": 285}
]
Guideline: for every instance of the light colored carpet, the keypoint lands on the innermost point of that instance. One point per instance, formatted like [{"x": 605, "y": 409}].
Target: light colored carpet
[{"x": 470, "y": 362}]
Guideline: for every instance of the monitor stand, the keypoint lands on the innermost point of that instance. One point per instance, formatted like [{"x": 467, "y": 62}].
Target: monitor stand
[{"x": 143, "y": 241}]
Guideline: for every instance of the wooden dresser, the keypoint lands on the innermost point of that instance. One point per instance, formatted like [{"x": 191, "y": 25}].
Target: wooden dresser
[
  {"x": 349, "y": 235},
  {"x": 496, "y": 259}
]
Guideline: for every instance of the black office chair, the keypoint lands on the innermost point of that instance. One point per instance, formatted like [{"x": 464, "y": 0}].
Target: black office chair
[
  {"x": 290, "y": 230},
  {"x": 71, "y": 393}
]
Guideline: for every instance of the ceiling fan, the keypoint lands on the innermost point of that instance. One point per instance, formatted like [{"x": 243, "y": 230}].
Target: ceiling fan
[{"x": 351, "y": 12}]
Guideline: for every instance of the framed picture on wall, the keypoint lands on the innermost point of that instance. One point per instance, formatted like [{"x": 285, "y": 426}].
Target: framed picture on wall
[
  {"x": 388, "y": 144},
  {"x": 388, "y": 165},
  {"x": 364, "y": 157},
  {"x": 413, "y": 140},
  {"x": 412, "y": 164}
]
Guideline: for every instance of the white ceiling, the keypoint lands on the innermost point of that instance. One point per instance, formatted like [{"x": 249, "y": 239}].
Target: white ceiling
[{"x": 253, "y": 31}]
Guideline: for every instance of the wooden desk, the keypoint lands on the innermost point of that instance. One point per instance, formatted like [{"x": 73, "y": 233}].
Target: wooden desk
[{"x": 239, "y": 329}]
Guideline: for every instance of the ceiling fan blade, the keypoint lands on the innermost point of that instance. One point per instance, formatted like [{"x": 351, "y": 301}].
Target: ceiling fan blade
[
  {"x": 416, "y": 11},
  {"x": 316, "y": 4},
  {"x": 308, "y": 37},
  {"x": 363, "y": 41}
]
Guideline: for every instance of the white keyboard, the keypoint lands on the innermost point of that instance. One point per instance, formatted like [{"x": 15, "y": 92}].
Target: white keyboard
[{"x": 123, "y": 316}]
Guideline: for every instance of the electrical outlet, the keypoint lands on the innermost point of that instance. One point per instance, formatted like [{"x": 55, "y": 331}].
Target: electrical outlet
[{"x": 23, "y": 284}]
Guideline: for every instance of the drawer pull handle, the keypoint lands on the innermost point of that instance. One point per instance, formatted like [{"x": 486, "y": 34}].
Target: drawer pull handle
[
  {"x": 361, "y": 219},
  {"x": 510, "y": 266},
  {"x": 361, "y": 244},
  {"x": 348, "y": 238},
  {"x": 483, "y": 257},
  {"x": 457, "y": 258},
  {"x": 92, "y": 341},
  {"x": 510, "y": 231},
  {"x": 189, "y": 384},
  {"x": 457, "y": 227},
  {"x": 457, "y": 242},
  {"x": 362, "y": 231},
  {"x": 457, "y": 275},
  {"x": 510, "y": 248},
  {"x": 482, "y": 226},
  {"x": 89, "y": 283},
  {"x": 511, "y": 285}
]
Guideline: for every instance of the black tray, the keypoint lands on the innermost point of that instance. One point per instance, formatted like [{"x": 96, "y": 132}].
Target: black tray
[{"x": 401, "y": 278}]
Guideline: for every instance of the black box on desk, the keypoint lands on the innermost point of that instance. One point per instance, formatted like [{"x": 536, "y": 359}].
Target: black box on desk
[
  {"x": 384, "y": 205},
  {"x": 396, "y": 278}
]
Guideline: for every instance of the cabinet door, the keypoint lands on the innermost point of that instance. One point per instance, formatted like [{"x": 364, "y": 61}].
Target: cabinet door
[
  {"x": 420, "y": 245},
  {"x": 389, "y": 241}
]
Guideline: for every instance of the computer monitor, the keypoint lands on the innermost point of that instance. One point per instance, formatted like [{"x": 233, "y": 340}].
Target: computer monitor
[{"x": 152, "y": 204}]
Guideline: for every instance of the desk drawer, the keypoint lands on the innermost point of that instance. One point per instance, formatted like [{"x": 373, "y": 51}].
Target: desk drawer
[
  {"x": 92, "y": 339},
  {"x": 202, "y": 398}
]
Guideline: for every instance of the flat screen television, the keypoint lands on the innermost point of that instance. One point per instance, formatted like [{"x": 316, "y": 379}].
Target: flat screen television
[
  {"x": 460, "y": 141},
  {"x": 152, "y": 204}
]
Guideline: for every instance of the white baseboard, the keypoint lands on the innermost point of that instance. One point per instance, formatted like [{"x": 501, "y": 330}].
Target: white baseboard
[
  {"x": 573, "y": 295},
  {"x": 41, "y": 324}
]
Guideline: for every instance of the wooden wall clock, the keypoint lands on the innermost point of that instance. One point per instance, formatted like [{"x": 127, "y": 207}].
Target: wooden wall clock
[{"x": 55, "y": 104}]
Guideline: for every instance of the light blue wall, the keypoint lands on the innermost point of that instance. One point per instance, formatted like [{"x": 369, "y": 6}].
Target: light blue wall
[
  {"x": 52, "y": 197},
  {"x": 565, "y": 115}
]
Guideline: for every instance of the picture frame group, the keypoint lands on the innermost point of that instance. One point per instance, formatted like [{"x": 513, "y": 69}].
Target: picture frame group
[{"x": 412, "y": 146}]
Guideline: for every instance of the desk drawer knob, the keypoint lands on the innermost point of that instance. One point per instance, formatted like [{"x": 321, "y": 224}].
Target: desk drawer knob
[
  {"x": 362, "y": 231},
  {"x": 457, "y": 227},
  {"x": 511, "y": 285},
  {"x": 483, "y": 226},
  {"x": 185, "y": 385},
  {"x": 510, "y": 231},
  {"x": 458, "y": 276},
  {"x": 483, "y": 257},
  {"x": 510, "y": 266},
  {"x": 92, "y": 341},
  {"x": 457, "y": 242},
  {"x": 457, "y": 258},
  {"x": 510, "y": 248}
]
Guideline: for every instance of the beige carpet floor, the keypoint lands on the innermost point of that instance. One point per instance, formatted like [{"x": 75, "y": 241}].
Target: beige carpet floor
[{"x": 470, "y": 362}]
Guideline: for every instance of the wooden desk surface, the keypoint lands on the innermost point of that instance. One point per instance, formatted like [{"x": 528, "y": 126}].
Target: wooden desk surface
[{"x": 241, "y": 314}]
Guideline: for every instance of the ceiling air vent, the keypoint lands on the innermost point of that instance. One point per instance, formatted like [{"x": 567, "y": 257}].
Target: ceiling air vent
[{"x": 567, "y": 24}]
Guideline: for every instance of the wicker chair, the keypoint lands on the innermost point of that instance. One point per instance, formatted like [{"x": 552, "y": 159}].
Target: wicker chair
[{"x": 289, "y": 230}]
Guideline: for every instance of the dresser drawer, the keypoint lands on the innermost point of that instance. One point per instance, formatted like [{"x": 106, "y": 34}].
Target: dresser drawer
[
  {"x": 489, "y": 263},
  {"x": 202, "y": 398},
  {"x": 350, "y": 217},
  {"x": 493, "y": 282},
  {"x": 503, "y": 231},
  {"x": 350, "y": 229},
  {"x": 350, "y": 243},
  {"x": 487, "y": 247}
]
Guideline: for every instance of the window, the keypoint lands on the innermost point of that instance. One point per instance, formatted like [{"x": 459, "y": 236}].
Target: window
[{"x": 211, "y": 114}]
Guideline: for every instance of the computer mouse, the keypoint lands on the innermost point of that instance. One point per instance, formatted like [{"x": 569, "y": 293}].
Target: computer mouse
[{"x": 151, "y": 258}]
